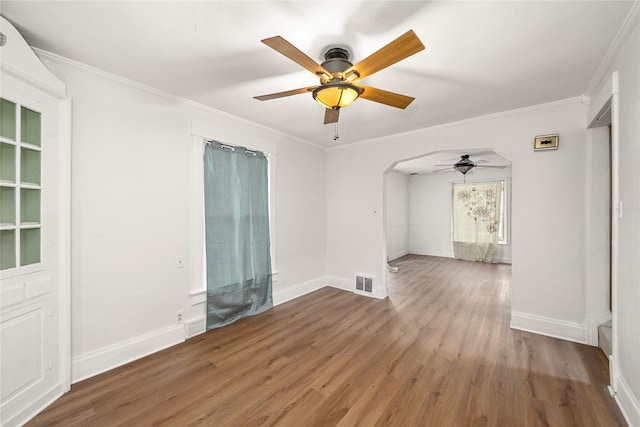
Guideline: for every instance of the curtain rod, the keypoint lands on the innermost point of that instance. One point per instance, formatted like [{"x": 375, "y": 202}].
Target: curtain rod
[
  {"x": 231, "y": 147},
  {"x": 483, "y": 181}
]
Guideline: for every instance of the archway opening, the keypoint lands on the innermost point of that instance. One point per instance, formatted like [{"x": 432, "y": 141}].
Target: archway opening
[{"x": 417, "y": 203}]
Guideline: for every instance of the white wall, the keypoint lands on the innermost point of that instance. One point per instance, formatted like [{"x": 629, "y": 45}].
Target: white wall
[
  {"x": 301, "y": 231},
  {"x": 547, "y": 207},
  {"x": 132, "y": 214},
  {"x": 626, "y": 316},
  {"x": 397, "y": 214},
  {"x": 430, "y": 214},
  {"x": 430, "y": 211}
]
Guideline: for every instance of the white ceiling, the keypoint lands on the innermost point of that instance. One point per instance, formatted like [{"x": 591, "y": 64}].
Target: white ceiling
[{"x": 480, "y": 58}]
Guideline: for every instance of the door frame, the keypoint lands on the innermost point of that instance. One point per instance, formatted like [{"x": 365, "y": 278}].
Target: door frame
[{"x": 609, "y": 104}]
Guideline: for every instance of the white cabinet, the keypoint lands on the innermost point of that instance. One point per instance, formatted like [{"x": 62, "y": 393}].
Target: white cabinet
[{"x": 34, "y": 233}]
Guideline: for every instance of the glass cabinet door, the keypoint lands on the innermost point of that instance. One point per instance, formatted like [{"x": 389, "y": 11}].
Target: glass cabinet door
[{"x": 20, "y": 185}]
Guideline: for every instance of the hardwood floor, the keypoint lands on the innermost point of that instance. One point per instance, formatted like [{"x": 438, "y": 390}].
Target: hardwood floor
[{"x": 437, "y": 352}]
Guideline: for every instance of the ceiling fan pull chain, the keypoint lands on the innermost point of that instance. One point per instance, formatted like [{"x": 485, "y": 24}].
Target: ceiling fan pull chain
[{"x": 335, "y": 134}]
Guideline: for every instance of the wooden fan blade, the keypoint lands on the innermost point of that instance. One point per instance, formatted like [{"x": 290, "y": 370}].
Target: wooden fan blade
[
  {"x": 285, "y": 93},
  {"x": 331, "y": 116},
  {"x": 450, "y": 168},
  {"x": 399, "y": 49},
  {"x": 279, "y": 44},
  {"x": 385, "y": 97},
  {"x": 490, "y": 166}
]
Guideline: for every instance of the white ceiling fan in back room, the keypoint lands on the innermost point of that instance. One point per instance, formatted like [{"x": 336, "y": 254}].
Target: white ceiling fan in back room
[{"x": 338, "y": 86}]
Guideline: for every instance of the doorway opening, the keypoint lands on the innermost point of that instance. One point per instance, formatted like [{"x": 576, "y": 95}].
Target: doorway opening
[
  {"x": 601, "y": 271},
  {"x": 417, "y": 202}
]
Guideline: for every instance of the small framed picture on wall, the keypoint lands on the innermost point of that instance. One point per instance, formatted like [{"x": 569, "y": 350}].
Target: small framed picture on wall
[{"x": 546, "y": 142}]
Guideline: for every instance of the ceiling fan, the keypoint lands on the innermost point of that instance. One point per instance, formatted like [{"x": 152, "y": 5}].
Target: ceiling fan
[
  {"x": 465, "y": 164},
  {"x": 338, "y": 76}
]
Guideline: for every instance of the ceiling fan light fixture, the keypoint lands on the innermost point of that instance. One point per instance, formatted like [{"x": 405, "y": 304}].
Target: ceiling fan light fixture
[
  {"x": 463, "y": 168},
  {"x": 336, "y": 95},
  {"x": 464, "y": 165}
]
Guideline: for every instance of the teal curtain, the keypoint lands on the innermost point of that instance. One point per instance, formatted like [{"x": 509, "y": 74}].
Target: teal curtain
[{"x": 236, "y": 211}]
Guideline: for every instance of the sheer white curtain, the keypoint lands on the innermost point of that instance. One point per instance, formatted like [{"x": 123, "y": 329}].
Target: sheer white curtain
[{"x": 476, "y": 220}]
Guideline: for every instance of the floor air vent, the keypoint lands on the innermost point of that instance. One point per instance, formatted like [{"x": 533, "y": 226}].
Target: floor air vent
[{"x": 364, "y": 283}]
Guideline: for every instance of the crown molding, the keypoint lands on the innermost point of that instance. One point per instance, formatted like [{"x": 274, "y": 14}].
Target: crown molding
[
  {"x": 623, "y": 35},
  {"x": 43, "y": 54},
  {"x": 465, "y": 122}
]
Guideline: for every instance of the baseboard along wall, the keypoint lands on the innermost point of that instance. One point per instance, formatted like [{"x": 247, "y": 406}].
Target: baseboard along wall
[
  {"x": 569, "y": 331},
  {"x": 104, "y": 359},
  {"x": 623, "y": 395}
]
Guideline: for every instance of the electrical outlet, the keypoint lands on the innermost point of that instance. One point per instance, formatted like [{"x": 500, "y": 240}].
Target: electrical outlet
[{"x": 179, "y": 316}]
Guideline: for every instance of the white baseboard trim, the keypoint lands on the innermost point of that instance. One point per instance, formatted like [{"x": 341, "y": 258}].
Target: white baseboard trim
[
  {"x": 281, "y": 296},
  {"x": 349, "y": 285},
  {"x": 393, "y": 257},
  {"x": 340, "y": 283},
  {"x": 98, "y": 361},
  {"x": 447, "y": 254},
  {"x": 497, "y": 259},
  {"x": 624, "y": 397},
  {"x": 33, "y": 409},
  {"x": 556, "y": 328}
]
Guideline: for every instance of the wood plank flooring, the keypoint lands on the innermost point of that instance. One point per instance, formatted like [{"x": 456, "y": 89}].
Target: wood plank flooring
[{"x": 438, "y": 352}]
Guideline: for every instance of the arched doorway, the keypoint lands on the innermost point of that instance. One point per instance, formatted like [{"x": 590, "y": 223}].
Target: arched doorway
[{"x": 417, "y": 202}]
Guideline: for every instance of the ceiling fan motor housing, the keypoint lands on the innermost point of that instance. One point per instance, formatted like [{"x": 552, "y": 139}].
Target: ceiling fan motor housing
[{"x": 336, "y": 60}]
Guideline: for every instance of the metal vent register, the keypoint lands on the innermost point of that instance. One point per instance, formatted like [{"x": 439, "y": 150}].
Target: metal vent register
[{"x": 364, "y": 283}]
